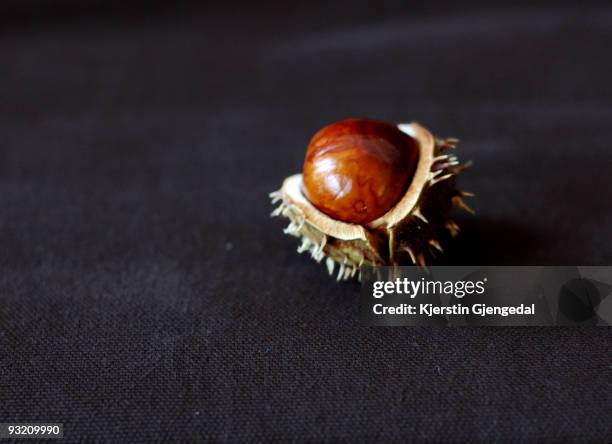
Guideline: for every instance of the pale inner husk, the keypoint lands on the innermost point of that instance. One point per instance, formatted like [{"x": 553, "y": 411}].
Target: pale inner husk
[{"x": 292, "y": 191}]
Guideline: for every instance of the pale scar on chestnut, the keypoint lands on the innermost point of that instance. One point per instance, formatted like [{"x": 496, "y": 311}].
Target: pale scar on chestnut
[{"x": 372, "y": 193}]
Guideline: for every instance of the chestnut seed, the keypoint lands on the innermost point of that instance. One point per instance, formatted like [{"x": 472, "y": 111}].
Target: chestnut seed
[{"x": 356, "y": 170}]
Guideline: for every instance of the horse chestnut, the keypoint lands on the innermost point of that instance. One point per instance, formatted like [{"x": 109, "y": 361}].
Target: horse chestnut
[
  {"x": 372, "y": 193},
  {"x": 356, "y": 170}
]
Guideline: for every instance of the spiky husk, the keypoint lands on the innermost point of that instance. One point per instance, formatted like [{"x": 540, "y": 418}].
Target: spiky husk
[{"x": 407, "y": 234}]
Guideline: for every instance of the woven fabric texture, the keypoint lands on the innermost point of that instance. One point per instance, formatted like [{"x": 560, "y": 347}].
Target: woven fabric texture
[{"x": 145, "y": 293}]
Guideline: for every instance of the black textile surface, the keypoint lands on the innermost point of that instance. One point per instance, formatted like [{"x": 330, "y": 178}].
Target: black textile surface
[{"x": 146, "y": 295}]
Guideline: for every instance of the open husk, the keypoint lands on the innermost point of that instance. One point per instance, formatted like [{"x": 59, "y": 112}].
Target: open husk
[{"x": 409, "y": 233}]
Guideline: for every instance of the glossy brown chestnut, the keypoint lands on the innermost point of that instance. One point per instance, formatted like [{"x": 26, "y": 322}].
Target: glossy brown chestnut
[{"x": 356, "y": 170}]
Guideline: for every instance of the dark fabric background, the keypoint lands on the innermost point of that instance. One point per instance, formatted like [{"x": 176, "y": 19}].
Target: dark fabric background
[{"x": 146, "y": 295}]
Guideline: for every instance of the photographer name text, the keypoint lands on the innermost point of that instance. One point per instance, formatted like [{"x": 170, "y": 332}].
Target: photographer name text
[{"x": 430, "y": 310}]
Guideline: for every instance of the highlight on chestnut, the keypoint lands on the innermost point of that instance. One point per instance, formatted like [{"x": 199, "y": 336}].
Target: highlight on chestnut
[{"x": 372, "y": 193}]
